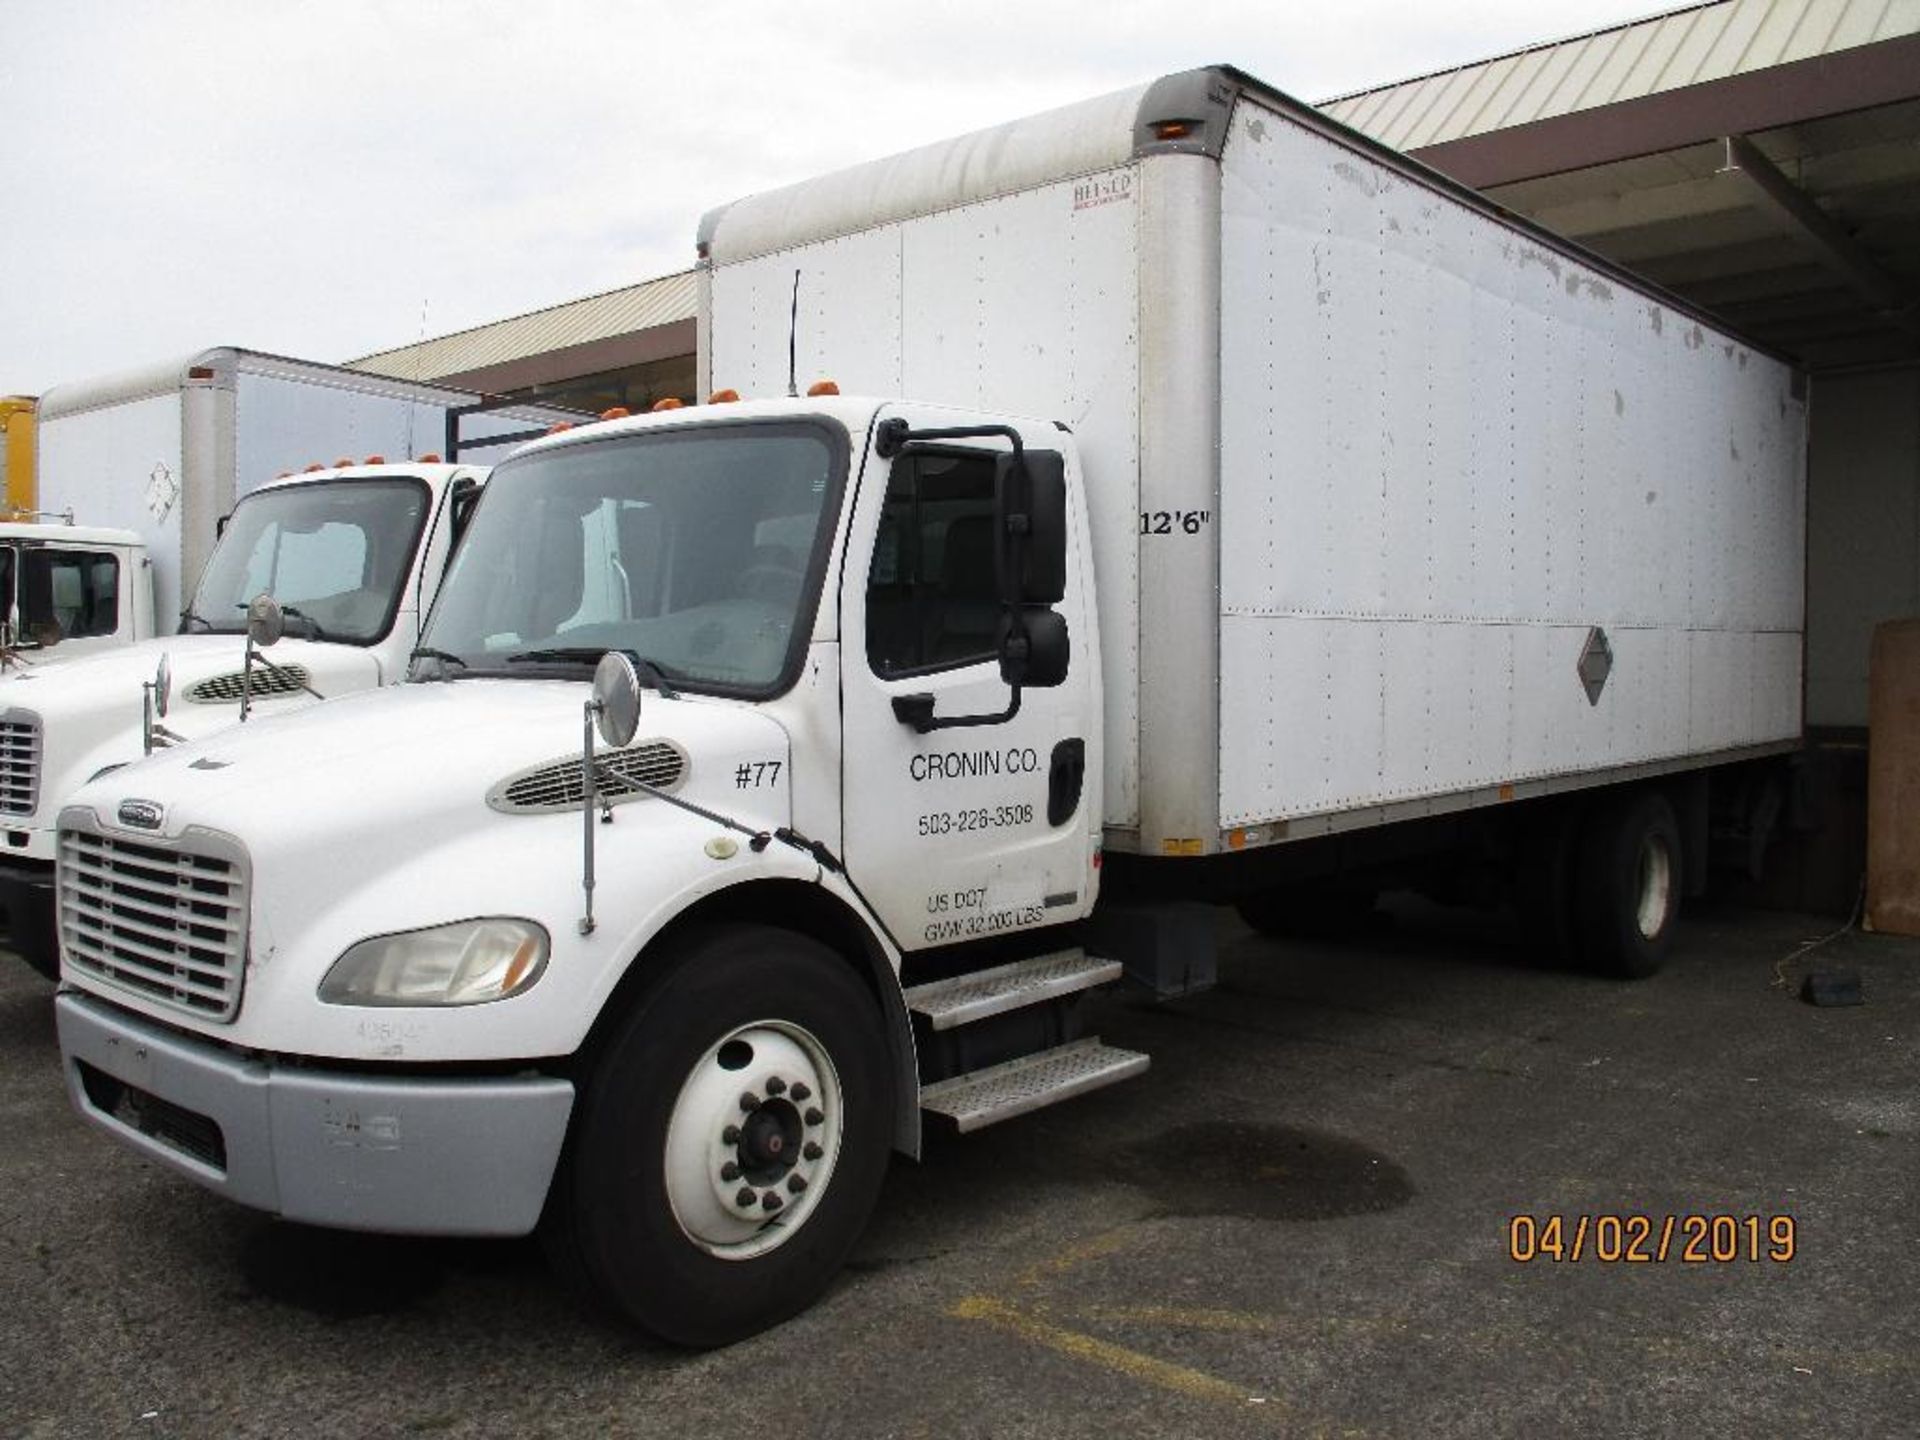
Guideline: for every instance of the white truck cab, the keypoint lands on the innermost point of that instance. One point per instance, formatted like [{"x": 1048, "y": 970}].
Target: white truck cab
[
  {"x": 353, "y": 553},
  {"x": 69, "y": 590},
  {"x": 392, "y": 1023}
]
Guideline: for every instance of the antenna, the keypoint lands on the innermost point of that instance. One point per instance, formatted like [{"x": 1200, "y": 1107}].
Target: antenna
[{"x": 793, "y": 342}]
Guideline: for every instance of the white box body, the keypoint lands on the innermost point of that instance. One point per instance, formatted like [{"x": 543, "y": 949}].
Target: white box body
[{"x": 1368, "y": 460}]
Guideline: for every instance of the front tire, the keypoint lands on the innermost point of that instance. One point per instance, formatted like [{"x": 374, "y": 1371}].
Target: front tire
[{"x": 732, "y": 1138}]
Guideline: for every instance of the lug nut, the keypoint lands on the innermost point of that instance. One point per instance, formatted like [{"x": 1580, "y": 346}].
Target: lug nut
[
  {"x": 729, "y": 1172},
  {"x": 814, "y": 1117},
  {"x": 771, "y": 1202},
  {"x": 812, "y": 1151},
  {"x": 730, "y": 1135},
  {"x": 775, "y": 1085},
  {"x": 749, "y": 1101},
  {"x": 796, "y": 1183},
  {"x": 801, "y": 1094},
  {"x": 745, "y": 1198}
]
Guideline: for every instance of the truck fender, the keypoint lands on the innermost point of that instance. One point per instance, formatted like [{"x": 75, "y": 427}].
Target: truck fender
[{"x": 826, "y": 910}]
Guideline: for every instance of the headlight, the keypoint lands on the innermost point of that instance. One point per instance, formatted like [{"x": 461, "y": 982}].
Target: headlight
[{"x": 467, "y": 963}]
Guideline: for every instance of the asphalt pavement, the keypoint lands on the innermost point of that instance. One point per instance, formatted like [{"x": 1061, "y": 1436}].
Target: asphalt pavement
[{"x": 1328, "y": 1209}]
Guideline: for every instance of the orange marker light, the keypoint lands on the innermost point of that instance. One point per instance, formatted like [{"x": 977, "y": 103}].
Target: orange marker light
[
  {"x": 432, "y": 457},
  {"x": 558, "y": 426},
  {"x": 822, "y": 387},
  {"x": 315, "y": 466},
  {"x": 1172, "y": 129},
  {"x": 343, "y": 462},
  {"x": 668, "y": 403},
  {"x": 723, "y": 397},
  {"x": 375, "y": 460},
  {"x": 615, "y": 412}
]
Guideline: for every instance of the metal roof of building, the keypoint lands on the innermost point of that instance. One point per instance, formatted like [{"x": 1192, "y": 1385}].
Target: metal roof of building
[
  {"x": 1627, "y": 62},
  {"x": 651, "y": 303}
]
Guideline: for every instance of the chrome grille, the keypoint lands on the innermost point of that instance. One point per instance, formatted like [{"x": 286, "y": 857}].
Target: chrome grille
[
  {"x": 163, "y": 920},
  {"x": 556, "y": 785},
  {"x": 227, "y": 689},
  {"x": 19, "y": 762}
]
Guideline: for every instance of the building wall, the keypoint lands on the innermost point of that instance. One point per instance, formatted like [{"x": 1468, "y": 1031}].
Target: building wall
[{"x": 1863, "y": 530}]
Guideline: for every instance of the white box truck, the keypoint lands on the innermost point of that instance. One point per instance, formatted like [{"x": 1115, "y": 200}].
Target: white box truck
[
  {"x": 1232, "y": 499},
  {"x": 356, "y": 550},
  {"x": 165, "y": 450},
  {"x": 82, "y": 588}
]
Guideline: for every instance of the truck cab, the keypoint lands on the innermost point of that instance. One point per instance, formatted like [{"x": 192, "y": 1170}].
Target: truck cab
[
  {"x": 733, "y": 727},
  {"x": 354, "y": 554},
  {"x": 69, "y": 590}
]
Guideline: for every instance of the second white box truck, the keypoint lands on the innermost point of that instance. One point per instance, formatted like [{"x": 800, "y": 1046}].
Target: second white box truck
[{"x": 1229, "y": 500}]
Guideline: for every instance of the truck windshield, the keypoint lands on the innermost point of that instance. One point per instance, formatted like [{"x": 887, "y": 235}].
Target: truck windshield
[
  {"x": 697, "y": 548},
  {"x": 338, "y": 552}
]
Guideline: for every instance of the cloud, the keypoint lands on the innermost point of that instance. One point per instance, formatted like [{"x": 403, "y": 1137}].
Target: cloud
[{"x": 311, "y": 177}]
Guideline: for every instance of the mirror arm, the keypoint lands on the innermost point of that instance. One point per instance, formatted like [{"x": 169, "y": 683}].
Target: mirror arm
[{"x": 917, "y": 711}]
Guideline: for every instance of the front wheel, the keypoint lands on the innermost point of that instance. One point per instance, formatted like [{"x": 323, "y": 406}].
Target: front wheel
[{"x": 732, "y": 1138}]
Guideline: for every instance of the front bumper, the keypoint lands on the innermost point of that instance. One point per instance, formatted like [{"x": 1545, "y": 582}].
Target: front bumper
[{"x": 428, "y": 1155}]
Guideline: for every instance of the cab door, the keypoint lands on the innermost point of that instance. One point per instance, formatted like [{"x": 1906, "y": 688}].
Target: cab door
[{"x": 977, "y": 830}]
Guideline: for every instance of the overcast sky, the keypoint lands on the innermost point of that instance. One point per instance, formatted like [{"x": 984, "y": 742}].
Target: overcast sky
[{"x": 329, "y": 179}]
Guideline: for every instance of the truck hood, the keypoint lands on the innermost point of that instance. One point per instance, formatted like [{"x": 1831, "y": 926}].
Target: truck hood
[
  {"x": 431, "y": 762},
  {"x": 206, "y": 679},
  {"x": 86, "y": 710}
]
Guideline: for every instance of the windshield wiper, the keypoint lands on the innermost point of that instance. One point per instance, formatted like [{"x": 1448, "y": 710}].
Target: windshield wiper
[
  {"x": 445, "y": 657},
  {"x": 314, "y": 632},
  {"x": 590, "y": 655}
]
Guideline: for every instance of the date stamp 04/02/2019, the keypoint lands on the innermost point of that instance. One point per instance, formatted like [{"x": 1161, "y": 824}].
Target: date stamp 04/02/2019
[{"x": 1630, "y": 1239}]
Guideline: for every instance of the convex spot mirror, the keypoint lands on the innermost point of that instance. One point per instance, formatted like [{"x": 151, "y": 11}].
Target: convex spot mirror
[
  {"x": 266, "y": 621},
  {"x": 1039, "y": 657},
  {"x": 162, "y": 685},
  {"x": 616, "y": 698},
  {"x": 1032, "y": 508}
]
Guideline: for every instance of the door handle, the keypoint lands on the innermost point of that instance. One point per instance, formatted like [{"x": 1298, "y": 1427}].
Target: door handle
[{"x": 1066, "y": 775}]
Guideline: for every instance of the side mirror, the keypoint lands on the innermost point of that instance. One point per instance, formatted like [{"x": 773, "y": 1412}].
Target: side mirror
[
  {"x": 616, "y": 698},
  {"x": 1037, "y": 657},
  {"x": 266, "y": 621},
  {"x": 1032, "y": 506},
  {"x": 163, "y": 686}
]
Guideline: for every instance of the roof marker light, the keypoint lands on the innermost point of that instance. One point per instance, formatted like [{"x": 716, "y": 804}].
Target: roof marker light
[
  {"x": 432, "y": 457},
  {"x": 724, "y": 397},
  {"x": 668, "y": 403},
  {"x": 313, "y": 467},
  {"x": 615, "y": 412},
  {"x": 559, "y": 426},
  {"x": 822, "y": 387},
  {"x": 343, "y": 462},
  {"x": 1172, "y": 129},
  {"x": 375, "y": 460}
]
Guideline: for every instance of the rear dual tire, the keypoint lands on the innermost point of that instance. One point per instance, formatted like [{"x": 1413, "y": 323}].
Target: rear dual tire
[{"x": 1627, "y": 885}]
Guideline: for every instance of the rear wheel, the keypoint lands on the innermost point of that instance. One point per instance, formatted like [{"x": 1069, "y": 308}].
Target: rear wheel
[
  {"x": 731, "y": 1141},
  {"x": 1628, "y": 886}
]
